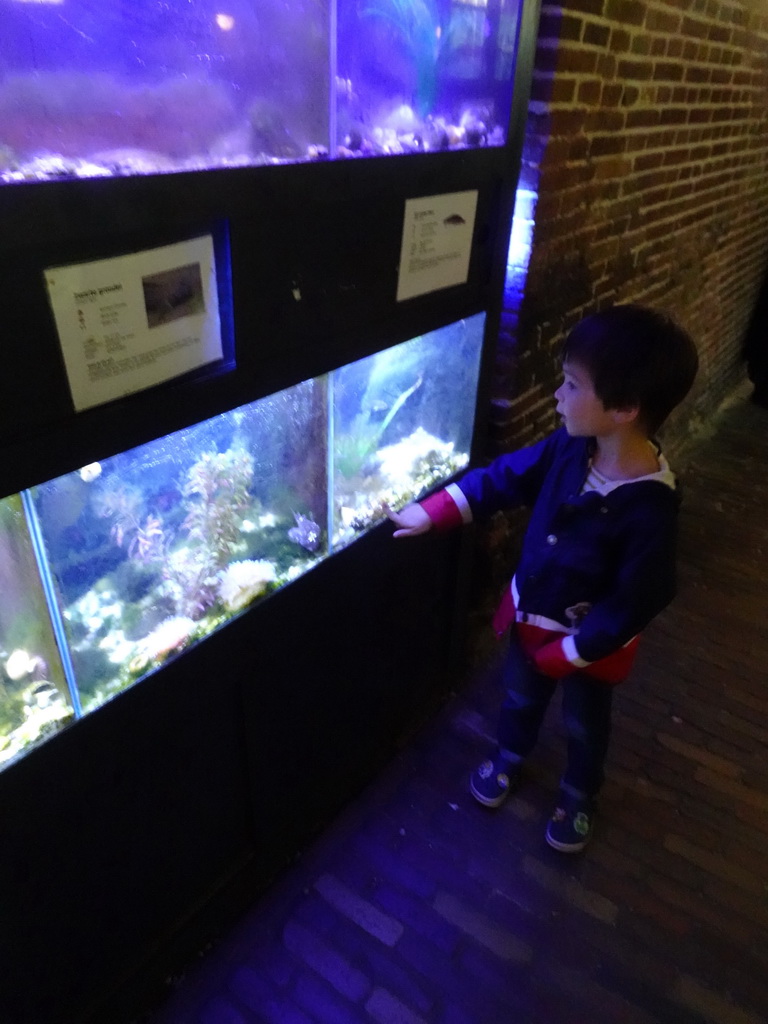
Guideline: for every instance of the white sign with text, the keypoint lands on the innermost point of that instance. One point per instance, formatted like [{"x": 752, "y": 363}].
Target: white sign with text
[
  {"x": 130, "y": 322},
  {"x": 437, "y": 242}
]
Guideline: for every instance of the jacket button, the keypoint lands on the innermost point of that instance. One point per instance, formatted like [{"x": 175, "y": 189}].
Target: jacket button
[{"x": 551, "y": 539}]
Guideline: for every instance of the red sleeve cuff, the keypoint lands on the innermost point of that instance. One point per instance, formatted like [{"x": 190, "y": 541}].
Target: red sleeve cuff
[
  {"x": 442, "y": 510},
  {"x": 551, "y": 661}
]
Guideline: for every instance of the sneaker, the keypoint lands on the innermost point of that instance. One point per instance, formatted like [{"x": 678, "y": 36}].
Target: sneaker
[
  {"x": 570, "y": 827},
  {"x": 493, "y": 780}
]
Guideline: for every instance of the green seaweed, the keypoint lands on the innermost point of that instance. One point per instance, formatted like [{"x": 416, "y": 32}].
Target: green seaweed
[
  {"x": 352, "y": 448},
  {"x": 416, "y": 27}
]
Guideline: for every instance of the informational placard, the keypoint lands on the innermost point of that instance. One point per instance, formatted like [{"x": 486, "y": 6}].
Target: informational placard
[
  {"x": 437, "y": 241},
  {"x": 130, "y": 322}
]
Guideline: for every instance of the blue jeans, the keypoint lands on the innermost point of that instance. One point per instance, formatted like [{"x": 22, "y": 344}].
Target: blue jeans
[{"x": 586, "y": 711}]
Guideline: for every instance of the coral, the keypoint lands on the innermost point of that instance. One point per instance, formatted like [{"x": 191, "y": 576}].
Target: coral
[
  {"x": 413, "y": 456},
  {"x": 166, "y": 638},
  {"x": 21, "y": 664},
  {"x": 404, "y": 472},
  {"x": 242, "y": 582}
]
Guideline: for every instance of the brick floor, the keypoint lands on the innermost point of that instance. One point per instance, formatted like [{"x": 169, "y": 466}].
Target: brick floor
[{"x": 417, "y": 906}]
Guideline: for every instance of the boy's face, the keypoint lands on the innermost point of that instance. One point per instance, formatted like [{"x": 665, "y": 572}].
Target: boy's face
[{"x": 584, "y": 415}]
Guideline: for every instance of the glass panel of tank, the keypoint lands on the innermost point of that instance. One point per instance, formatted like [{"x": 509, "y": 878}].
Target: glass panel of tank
[
  {"x": 34, "y": 700},
  {"x": 402, "y": 423},
  {"x": 153, "y": 549},
  {"x": 95, "y": 88},
  {"x": 120, "y": 87},
  {"x": 417, "y": 76}
]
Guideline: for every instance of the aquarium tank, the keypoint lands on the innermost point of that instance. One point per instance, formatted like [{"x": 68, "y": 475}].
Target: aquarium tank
[
  {"x": 402, "y": 423},
  {"x": 34, "y": 698},
  {"x": 98, "y": 88},
  {"x": 111, "y": 570}
]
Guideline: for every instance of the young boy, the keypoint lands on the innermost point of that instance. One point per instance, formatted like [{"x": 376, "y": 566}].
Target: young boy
[{"x": 598, "y": 557}]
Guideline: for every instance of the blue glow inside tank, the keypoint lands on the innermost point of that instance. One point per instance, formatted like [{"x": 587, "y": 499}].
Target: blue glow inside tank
[
  {"x": 153, "y": 549},
  {"x": 402, "y": 423},
  {"x": 112, "y": 569},
  {"x": 126, "y": 87}
]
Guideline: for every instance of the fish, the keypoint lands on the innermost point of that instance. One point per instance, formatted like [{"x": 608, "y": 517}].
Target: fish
[
  {"x": 42, "y": 694},
  {"x": 306, "y": 532},
  {"x": 455, "y": 218}
]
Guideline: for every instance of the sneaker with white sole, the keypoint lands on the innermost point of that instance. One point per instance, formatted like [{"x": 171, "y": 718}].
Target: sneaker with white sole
[
  {"x": 570, "y": 827},
  {"x": 493, "y": 780}
]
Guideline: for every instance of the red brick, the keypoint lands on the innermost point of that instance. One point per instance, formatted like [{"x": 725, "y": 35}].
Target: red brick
[
  {"x": 642, "y": 118},
  {"x": 638, "y": 70},
  {"x": 668, "y": 71},
  {"x": 576, "y": 61},
  {"x": 589, "y": 92},
  {"x": 662, "y": 21},
  {"x": 626, "y": 12},
  {"x": 596, "y": 35}
]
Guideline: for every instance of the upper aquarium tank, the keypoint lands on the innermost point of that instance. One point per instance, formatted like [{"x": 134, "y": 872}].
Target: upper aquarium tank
[{"x": 95, "y": 88}]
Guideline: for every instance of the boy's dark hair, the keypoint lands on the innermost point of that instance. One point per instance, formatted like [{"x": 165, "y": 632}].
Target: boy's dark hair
[{"x": 635, "y": 356}]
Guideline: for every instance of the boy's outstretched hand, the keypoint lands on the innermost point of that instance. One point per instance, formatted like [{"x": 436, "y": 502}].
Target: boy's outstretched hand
[{"x": 410, "y": 521}]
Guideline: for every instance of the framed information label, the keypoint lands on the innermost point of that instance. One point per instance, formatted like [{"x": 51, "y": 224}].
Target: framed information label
[
  {"x": 437, "y": 241},
  {"x": 130, "y": 322}
]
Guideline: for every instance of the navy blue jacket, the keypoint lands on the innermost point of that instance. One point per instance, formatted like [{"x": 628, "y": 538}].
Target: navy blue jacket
[{"x": 614, "y": 552}]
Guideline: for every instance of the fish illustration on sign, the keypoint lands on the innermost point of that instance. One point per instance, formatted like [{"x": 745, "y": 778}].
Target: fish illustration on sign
[
  {"x": 306, "y": 532},
  {"x": 454, "y": 219}
]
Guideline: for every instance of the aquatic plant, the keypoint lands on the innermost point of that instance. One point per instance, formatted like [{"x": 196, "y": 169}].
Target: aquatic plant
[
  {"x": 217, "y": 495},
  {"x": 142, "y": 536},
  {"x": 356, "y": 445},
  {"x": 416, "y": 29},
  {"x": 217, "y": 487},
  {"x": 190, "y": 581}
]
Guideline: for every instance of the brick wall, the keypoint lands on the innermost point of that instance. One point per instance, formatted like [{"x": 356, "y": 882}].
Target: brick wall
[{"x": 647, "y": 144}]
